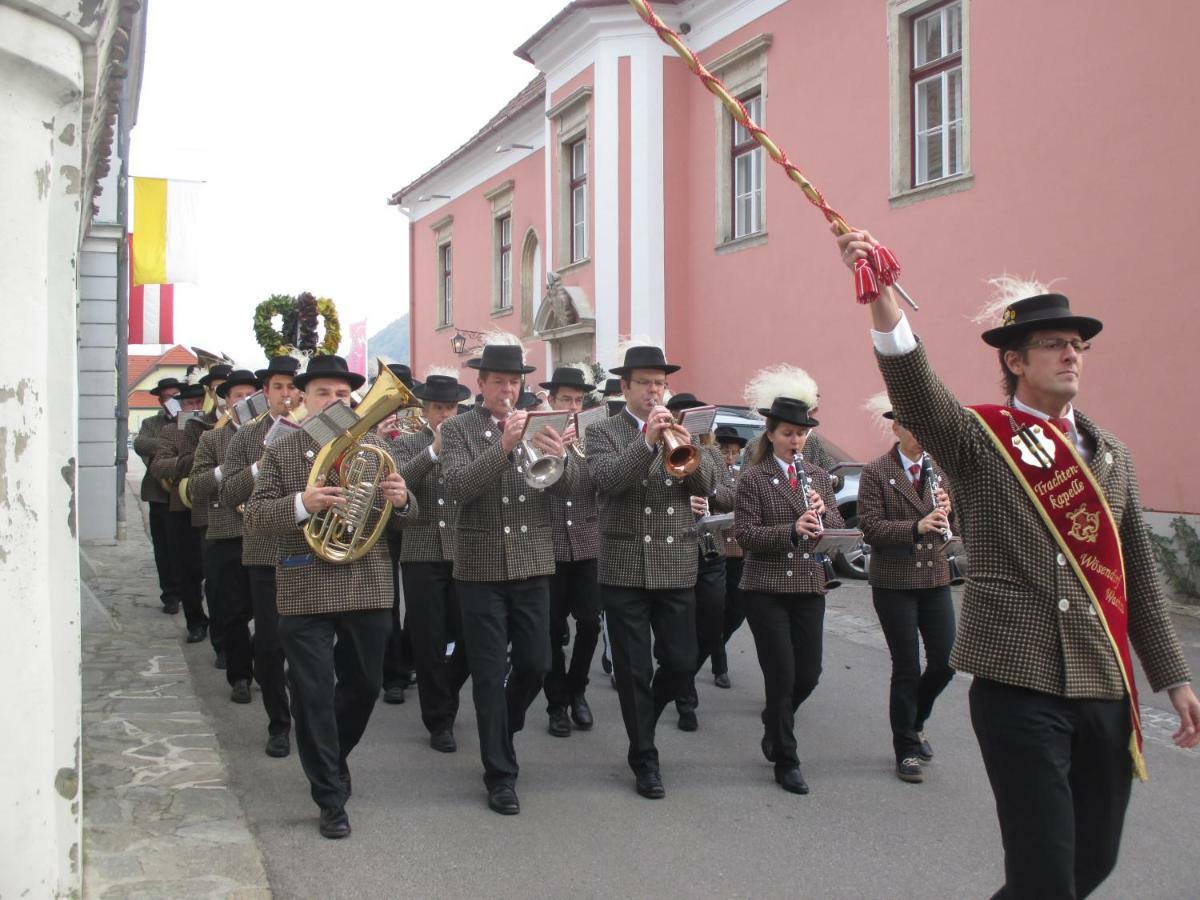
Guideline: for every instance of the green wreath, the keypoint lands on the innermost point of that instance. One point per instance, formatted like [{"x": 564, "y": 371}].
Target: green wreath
[{"x": 299, "y": 323}]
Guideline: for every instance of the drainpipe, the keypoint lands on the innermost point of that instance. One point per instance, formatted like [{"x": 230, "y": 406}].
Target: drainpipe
[{"x": 122, "y": 408}]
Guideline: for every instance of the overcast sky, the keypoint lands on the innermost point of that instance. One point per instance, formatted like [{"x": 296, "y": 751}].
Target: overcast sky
[{"x": 302, "y": 117}]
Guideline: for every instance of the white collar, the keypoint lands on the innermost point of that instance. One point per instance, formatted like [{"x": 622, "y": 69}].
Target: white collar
[
  {"x": 640, "y": 424},
  {"x": 1069, "y": 415},
  {"x": 908, "y": 463},
  {"x": 783, "y": 464}
]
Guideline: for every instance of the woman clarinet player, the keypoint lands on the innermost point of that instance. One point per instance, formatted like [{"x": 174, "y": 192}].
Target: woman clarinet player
[{"x": 782, "y": 505}]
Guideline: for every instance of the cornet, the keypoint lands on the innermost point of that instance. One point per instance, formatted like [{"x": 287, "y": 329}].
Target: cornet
[{"x": 680, "y": 458}]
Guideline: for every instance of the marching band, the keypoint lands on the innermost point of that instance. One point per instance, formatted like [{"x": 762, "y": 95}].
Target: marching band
[{"x": 503, "y": 528}]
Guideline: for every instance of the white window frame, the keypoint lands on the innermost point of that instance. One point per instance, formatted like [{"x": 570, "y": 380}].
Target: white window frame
[
  {"x": 504, "y": 262},
  {"x": 501, "y": 200},
  {"x": 577, "y": 199},
  {"x": 445, "y": 286},
  {"x": 571, "y": 118},
  {"x": 951, "y": 165},
  {"x": 751, "y": 153}
]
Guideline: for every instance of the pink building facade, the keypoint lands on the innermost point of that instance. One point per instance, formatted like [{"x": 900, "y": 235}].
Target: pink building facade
[{"x": 975, "y": 138}]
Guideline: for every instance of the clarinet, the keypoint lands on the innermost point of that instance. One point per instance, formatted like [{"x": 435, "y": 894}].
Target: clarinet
[
  {"x": 805, "y": 484},
  {"x": 935, "y": 484}
]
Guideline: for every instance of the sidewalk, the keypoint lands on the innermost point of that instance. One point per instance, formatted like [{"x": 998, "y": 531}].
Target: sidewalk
[{"x": 159, "y": 819}]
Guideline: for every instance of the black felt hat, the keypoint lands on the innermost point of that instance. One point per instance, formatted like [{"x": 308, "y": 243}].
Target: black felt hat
[
  {"x": 191, "y": 392},
  {"x": 164, "y": 384},
  {"x": 441, "y": 389},
  {"x": 501, "y": 358},
  {"x": 727, "y": 434},
  {"x": 889, "y": 415},
  {"x": 788, "y": 409},
  {"x": 329, "y": 367},
  {"x": 644, "y": 358},
  {"x": 683, "y": 401},
  {"x": 236, "y": 377},
  {"x": 568, "y": 377},
  {"x": 404, "y": 373},
  {"x": 612, "y": 388},
  {"x": 221, "y": 370},
  {"x": 1036, "y": 314},
  {"x": 278, "y": 365},
  {"x": 527, "y": 400}
]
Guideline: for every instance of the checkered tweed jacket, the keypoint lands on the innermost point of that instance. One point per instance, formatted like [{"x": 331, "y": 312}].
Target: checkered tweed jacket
[
  {"x": 173, "y": 461},
  {"x": 647, "y": 530},
  {"x": 723, "y": 500},
  {"x": 428, "y": 536},
  {"x": 145, "y": 445},
  {"x": 237, "y": 484},
  {"x": 765, "y": 520},
  {"x": 575, "y": 526},
  {"x": 223, "y": 523},
  {"x": 816, "y": 453},
  {"x": 503, "y": 524},
  {"x": 306, "y": 585},
  {"x": 889, "y": 508},
  {"x": 1026, "y": 619}
]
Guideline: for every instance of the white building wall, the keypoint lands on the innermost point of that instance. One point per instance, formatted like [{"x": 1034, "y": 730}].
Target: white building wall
[{"x": 41, "y": 69}]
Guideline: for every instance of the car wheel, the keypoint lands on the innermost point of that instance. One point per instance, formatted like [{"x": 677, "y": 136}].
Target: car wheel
[{"x": 854, "y": 563}]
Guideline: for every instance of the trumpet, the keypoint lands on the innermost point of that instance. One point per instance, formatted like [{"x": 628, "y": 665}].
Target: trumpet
[
  {"x": 680, "y": 458},
  {"x": 935, "y": 484},
  {"x": 541, "y": 469}
]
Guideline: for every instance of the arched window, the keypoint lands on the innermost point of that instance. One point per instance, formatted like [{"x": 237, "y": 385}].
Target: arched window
[{"x": 531, "y": 279}]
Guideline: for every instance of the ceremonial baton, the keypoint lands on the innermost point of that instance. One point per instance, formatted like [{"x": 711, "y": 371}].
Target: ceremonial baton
[{"x": 882, "y": 267}]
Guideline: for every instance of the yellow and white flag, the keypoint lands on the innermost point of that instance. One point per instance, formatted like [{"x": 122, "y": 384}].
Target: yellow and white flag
[{"x": 166, "y": 232}]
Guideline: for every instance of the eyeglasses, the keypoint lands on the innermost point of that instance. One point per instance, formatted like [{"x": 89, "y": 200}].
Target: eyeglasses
[
  {"x": 1058, "y": 345},
  {"x": 659, "y": 383}
]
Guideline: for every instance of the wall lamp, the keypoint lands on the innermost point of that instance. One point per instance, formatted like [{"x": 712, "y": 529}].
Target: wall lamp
[
  {"x": 504, "y": 148},
  {"x": 458, "y": 343}
]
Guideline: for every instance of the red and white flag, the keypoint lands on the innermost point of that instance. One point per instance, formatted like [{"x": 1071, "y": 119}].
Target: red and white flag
[
  {"x": 356, "y": 359},
  {"x": 151, "y": 310}
]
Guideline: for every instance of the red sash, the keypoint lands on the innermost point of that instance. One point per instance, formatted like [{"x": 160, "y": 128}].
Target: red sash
[{"x": 1072, "y": 504}]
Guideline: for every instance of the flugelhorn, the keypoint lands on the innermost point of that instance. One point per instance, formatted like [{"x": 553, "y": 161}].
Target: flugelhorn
[
  {"x": 347, "y": 532},
  {"x": 680, "y": 458},
  {"x": 935, "y": 484}
]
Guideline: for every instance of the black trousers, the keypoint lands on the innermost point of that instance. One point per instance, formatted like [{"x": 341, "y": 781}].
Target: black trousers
[
  {"x": 735, "y": 611},
  {"x": 1061, "y": 775},
  {"x": 633, "y": 615},
  {"x": 710, "y": 623},
  {"x": 398, "y": 661},
  {"x": 186, "y": 547},
  {"x": 268, "y": 649},
  {"x": 574, "y": 591},
  {"x": 214, "y": 593},
  {"x": 160, "y": 537},
  {"x": 788, "y": 637},
  {"x": 910, "y": 618},
  {"x": 332, "y": 703},
  {"x": 495, "y": 614},
  {"x": 236, "y": 607},
  {"x": 434, "y": 622}
]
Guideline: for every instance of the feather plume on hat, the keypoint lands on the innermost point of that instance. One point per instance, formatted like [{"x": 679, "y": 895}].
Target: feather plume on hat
[
  {"x": 634, "y": 340},
  {"x": 780, "y": 381},
  {"x": 444, "y": 371},
  {"x": 1007, "y": 290},
  {"x": 498, "y": 338},
  {"x": 876, "y": 406},
  {"x": 585, "y": 370}
]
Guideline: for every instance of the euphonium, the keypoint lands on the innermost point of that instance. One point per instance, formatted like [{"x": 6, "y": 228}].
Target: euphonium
[
  {"x": 345, "y": 533},
  {"x": 680, "y": 458}
]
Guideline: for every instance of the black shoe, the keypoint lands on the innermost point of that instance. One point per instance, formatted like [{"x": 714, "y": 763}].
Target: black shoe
[
  {"x": 220, "y": 662},
  {"x": 791, "y": 780},
  {"x": 560, "y": 725},
  {"x": 171, "y": 608},
  {"x": 926, "y": 749},
  {"x": 443, "y": 741},
  {"x": 650, "y": 786},
  {"x": 344, "y": 778},
  {"x": 196, "y": 633},
  {"x": 564, "y": 639},
  {"x": 240, "y": 692},
  {"x": 393, "y": 695},
  {"x": 503, "y": 799},
  {"x": 408, "y": 679},
  {"x": 335, "y": 823},
  {"x": 581, "y": 713},
  {"x": 722, "y": 681},
  {"x": 909, "y": 769},
  {"x": 606, "y": 664},
  {"x": 687, "y": 720},
  {"x": 279, "y": 746},
  {"x": 768, "y": 748}
]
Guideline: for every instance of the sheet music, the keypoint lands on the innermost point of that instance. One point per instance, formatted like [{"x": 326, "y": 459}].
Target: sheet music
[
  {"x": 250, "y": 408},
  {"x": 172, "y": 406},
  {"x": 182, "y": 420},
  {"x": 587, "y": 418},
  {"x": 537, "y": 422},
  {"x": 699, "y": 420},
  {"x": 281, "y": 429},
  {"x": 331, "y": 422}
]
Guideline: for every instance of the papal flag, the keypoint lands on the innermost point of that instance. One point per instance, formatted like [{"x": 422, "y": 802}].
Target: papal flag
[
  {"x": 151, "y": 310},
  {"x": 166, "y": 216}
]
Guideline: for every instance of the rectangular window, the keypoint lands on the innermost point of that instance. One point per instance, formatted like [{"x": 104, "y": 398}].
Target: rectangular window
[
  {"x": 747, "y": 168},
  {"x": 504, "y": 261},
  {"x": 445, "y": 285},
  {"x": 936, "y": 76},
  {"x": 578, "y": 189}
]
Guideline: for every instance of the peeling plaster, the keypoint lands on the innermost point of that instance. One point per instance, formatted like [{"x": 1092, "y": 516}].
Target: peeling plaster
[
  {"x": 71, "y": 173},
  {"x": 3, "y": 471},
  {"x": 66, "y": 782},
  {"x": 20, "y": 444},
  {"x": 68, "y": 474},
  {"x": 67, "y": 135},
  {"x": 49, "y": 126},
  {"x": 89, "y": 12},
  {"x": 42, "y": 177}
]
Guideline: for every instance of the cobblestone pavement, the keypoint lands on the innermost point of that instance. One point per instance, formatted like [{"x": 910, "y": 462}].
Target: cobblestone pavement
[{"x": 158, "y": 818}]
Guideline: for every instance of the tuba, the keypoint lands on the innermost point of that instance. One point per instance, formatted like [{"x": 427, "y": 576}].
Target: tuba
[{"x": 347, "y": 532}]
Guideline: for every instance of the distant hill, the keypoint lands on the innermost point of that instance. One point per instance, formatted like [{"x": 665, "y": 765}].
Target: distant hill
[{"x": 390, "y": 342}]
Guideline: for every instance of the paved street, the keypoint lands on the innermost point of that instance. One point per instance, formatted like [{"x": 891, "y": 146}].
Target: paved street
[{"x": 421, "y": 827}]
